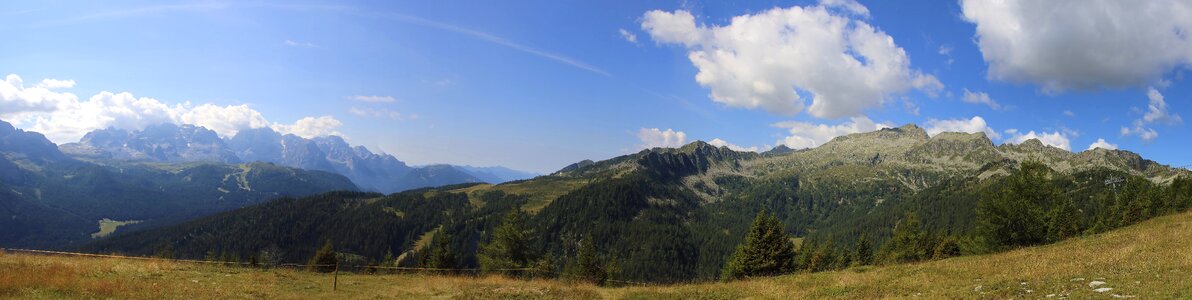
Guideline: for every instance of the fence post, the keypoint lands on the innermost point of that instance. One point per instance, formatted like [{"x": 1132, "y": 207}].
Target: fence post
[{"x": 335, "y": 282}]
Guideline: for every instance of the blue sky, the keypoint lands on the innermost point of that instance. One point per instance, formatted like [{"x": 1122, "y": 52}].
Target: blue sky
[{"x": 536, "y": 85}]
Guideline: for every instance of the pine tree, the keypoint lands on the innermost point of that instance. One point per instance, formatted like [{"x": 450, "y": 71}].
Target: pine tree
[
  {"x": 767, "y": 251},
  {"x": 909, "y": 242},
  {"x": 864, "y": 253},
  {"x": 324, "y": 260},
  {"x": 1063, "y": 220},
  {"x": 510, "y": 245}
]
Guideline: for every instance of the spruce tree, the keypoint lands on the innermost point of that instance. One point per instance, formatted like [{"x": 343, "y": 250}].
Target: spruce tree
[
  {"x": 1063, "y": 220},
  {"x": 864, "y": 253},
  {"x": 767, "y": 251},
  {"x": 440, "y": 255},
  {"x": 1015, "y": 215},
  {"x": 324, "y": 260},
  {"x": 510, "y": 245},
  {"x": 587, "y": 263},
  {"x": 909, "y": 242}
]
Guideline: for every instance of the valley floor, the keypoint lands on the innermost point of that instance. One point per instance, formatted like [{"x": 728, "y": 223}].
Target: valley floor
[{"x": 1150, "y": 260}]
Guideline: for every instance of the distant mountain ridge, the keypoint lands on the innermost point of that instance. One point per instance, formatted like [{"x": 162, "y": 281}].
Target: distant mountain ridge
[
  {"x": 50, "y": 200},
  {"x": 189, "y": 143}
]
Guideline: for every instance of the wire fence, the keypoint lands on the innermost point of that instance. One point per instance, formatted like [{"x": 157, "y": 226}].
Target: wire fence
[{"x": 367, "y": 269}]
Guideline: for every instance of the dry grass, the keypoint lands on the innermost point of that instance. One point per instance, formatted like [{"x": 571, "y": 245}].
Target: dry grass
[{"x": 1151, "y": 260}]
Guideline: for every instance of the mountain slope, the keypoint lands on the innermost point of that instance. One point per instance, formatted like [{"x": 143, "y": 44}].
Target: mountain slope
[
  {"x": 48, "y": 199},
  {"x": 673, "y": 215},
  {"x": 1150, "y": 260}
]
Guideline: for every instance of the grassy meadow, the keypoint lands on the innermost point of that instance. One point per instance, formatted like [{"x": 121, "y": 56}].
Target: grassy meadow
[{"x": 1148, "y": 261}]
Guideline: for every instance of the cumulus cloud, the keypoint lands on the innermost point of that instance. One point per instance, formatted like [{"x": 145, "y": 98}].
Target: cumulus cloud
[
  {"x": 808, "y": 135},
  {"x": 774, "y": 59},
  {"x": 1157, "y": 112},
  {"x": 654, "y": 137},
  {"x": 16, "y": 99},
  {"x": 722, "y": 143},
  {"x": 1054, "y": 139},
  {"x": 224, "y": 120},
  {"x": 63, "y": 118},
  {"x": 373, "y": 99},
  {"x": 974, "y": 125},
  {"x": 310, "y": 127},
  {"x": 1078, "y": 44},
  {"x": 980, "y": 98},
  {"x": 1101, "y": 143},
  {"x": 628, "y": 36}
]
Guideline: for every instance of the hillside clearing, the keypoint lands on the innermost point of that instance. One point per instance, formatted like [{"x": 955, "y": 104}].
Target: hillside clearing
[{"x": 1149, "y": 260}]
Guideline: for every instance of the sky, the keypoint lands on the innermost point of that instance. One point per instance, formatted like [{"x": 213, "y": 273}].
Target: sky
[{"x": 537, "y": 85}]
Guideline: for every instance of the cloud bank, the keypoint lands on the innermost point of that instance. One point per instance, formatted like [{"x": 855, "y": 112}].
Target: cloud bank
[{"x": 63, "y": 117}]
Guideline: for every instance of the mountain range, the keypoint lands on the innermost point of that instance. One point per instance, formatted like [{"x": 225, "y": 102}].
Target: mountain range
[
  {"x": 170, "y": 143},
  {"x": 50, "y": 200},
  {"x": 676, "y": 214}
]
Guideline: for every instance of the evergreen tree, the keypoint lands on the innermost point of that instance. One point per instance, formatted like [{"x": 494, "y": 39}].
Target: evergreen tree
[
  {"x": 1015, "y": 215},
  {"x": 1063, "y": 220},
  {"x": 324, "y": 260},
  {"x": 823, "y": 259},
  {"x": 864, "y": 253},
  {"x": 440, "y": 255},
  {"x": 947, "y": 246},
  {"x": 510, "y": 245},
  {"x": 909, "y": 242},
  {"x": 587, "y": 263},
  {"x": 767, "y": 251}
]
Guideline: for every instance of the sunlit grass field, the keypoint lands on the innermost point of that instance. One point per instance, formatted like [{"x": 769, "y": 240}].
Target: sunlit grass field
[{"x": 1152, "y": 260}]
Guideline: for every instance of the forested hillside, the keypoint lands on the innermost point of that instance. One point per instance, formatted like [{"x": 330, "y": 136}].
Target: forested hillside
[{"x": 675, "y": 215}]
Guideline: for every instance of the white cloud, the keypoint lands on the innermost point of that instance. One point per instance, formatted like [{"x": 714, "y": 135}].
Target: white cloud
[
  {"x": 224, "y": 120},
  {"x": 974, "y": 125},
  {"x": 299, "y": 44},
  {"x": 945, "y": 50},
  {"x": 808, "y": 135},
  {"x": 653, "y": 137},
  {"x": 848, "y": 5},
  {"x": 980, "y": 98},
  {"x": 310, "y": 127},
  {"x": 1101, "y": 143},
  {"x": 382, "y": 113},
  {"x": 1054, "y": 139},
  {"x": 722, "y": 143},
  {"x": 63, "y": 118},
  {"x": 50, "y": 83},
  {"x": 773, "y": 59},
  {"x": 1078, "y": 44},
  {"x": 17, "y": 100},
  {"x": 373, "y": 99},
  {"x": 1069, "y": 113},
  {"x": 628, "y": 36},
  {"x": 1157, "y": 112}
]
